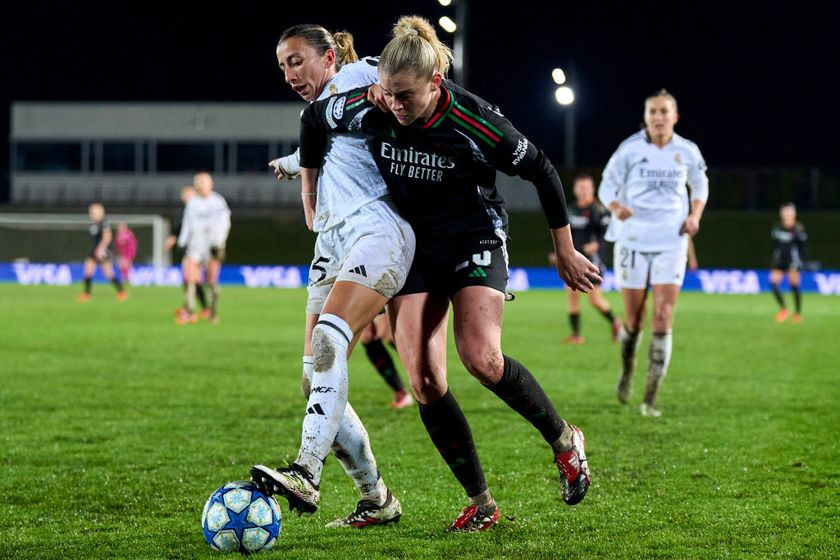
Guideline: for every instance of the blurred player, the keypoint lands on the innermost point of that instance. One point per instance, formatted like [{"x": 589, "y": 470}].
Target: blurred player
[
  {"x": 362, "y": 255},
  {"x": 204, "y": 234},
  {"x": 438, "y": 149},
  {"x": 789, "y": 253},
  {"x": 126, "y": 244},
  {"x": 588, "y": 220},
  {"x": 646, "y": 187},
  {"x": 100, "y": 254},
  {"x": 182, "y": 315}
]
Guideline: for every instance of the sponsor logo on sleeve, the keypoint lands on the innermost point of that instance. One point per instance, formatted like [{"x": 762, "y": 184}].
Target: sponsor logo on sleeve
[
  {"x": 338, "y": 109},
  {"x": 520, "y": 151}
]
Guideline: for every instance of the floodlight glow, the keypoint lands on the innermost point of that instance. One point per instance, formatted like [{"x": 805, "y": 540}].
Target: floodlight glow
[
  {"x": 445, "y": 2},
  {"x": 564, "y": 95},
  {"x": 558, "y": 76},
  {"x": 447, "y": 24}
]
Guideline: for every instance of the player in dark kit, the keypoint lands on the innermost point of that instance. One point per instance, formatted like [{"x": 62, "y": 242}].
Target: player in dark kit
[
  {"x": 438, "y": 150},
  {"x": 789, "y": 253},
  {"x": 588, "y": 220},
  {"x": 100, "y": 255}
]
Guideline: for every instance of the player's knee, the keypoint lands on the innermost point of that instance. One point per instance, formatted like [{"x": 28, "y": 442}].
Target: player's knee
[
  {"x": 483, "y": 361},
  {"x": 662, "y": 317}
]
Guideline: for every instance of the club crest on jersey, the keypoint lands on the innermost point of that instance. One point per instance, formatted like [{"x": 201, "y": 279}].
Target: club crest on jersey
[{"x": 678, "y": 158}]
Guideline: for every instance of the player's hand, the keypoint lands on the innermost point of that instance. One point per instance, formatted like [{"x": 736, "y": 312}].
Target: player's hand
[
  {"x": 622, "y": 212},
  {"x": 691, "y": 226},
  {"x": 377, "y": 97},
  {"x": 100, "y": 254},
  {"x": 286, "y": 167},
  {"x": 577, "y": 271},
  {"x": 170, "y": 242}
]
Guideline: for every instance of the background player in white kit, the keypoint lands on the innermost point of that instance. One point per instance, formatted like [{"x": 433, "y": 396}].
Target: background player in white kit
[
  {"x": 362, "y": 256},
  {"x": 204, "y": 234},
  {"x": 644, "y": 186}
]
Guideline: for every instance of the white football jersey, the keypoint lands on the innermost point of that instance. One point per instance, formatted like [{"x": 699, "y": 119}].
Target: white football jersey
[
  {"x": 205, "y": 218},
  {"x": 349, "y": 178},
  {"x": 654, "y": 182}
]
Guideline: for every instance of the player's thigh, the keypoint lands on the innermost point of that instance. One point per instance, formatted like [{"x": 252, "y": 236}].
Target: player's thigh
[
  {"x": 108, "y": 268},
  {"x": 420, "y": 322},
  {"x": 794, "y": 277},
  {"x": 776, "y": 275},
  {"x": 477, "y": 324},
  {"x": 668, "y": 267},
  {"x": 632, "y": 267}
]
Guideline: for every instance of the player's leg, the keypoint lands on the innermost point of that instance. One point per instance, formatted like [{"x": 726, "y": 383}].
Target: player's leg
[
  {"x": 776, "y": 276},
  {"x": 214, "y": 268},
  {"x": 631, "y": 272},
  {"x": 477, "y": 320},
  {"x": 659, "y": 353},
  {"x": 192, "y": 273},
  {"x": 125, "y": 269},
  {"x": 88, "y": 272},
  {"x": 108, "y": 271},
  {"x": 372, "y": 339},
  {"x": 795, "y": 280},
  {"x": 599, "y": 302},
  {"x": 574, "y": 317},
  {"x": 420, "y": 322}
]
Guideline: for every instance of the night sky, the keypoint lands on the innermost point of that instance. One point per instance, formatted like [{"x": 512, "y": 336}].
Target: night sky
[{"x": 756, "y": 85}]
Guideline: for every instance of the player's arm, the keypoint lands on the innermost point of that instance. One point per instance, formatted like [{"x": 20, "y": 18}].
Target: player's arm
[
  {"x": 286, "y": 167},
  {"x": 184, "y": 236},
  {"x": 514, "y": 154},
  {"x": 612, "y": 181},
  {"x": 107, "y": 237},
  {"x": 698, "y": 183}
]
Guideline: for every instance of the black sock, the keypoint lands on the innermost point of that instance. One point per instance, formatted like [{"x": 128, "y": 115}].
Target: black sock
[
  {"x": 574, "y": 320},
  {"x": 117, "y": 284},
  {"x": 523, "y": 393},
  {"x": 199, "y": 293},
  {"x": 87, "y": 285},
  {"x": 608, "y": 314},
  {"x": 381, "y": 360},
  {"x": 778, "y": 293},
  {"x": 797, "y": 298},
  {"x": 451, "y": 434}
]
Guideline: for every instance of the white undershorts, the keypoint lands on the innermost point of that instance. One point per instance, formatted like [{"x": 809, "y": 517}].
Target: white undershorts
[
  {"x": 373, "y": 247},
  {"x": 638, "y": 269}
]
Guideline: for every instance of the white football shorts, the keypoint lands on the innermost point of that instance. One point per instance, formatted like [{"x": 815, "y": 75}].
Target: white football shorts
[
  {"x": 638, "y": 269},
  {"x": 373, "y": 247}
]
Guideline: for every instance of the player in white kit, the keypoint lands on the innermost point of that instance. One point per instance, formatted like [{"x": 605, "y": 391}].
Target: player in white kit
[
  {"x": 655, "y": 186},
  {"x": 362, "y": 256},
  {"x": 204, "y": 235}
]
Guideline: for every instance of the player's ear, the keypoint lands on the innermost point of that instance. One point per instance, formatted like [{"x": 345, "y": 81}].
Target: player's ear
[
  {"x": 437, "y": 79},
  {"x": 329, "y": 58}
]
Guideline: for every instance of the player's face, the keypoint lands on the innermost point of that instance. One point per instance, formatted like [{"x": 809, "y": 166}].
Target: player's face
[
  {"x": 96, "y": 212},
  {"x": 203, "y": 184},
  {"x": 584, "y": 192},
  {"x": 788, "y": 215},
  {"x": 410, "y": 97},
  {"x": 660, "y": 118},
  {"x": 306, "y": 71}
]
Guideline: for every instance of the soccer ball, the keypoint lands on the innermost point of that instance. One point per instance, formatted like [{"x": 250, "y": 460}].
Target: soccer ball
[{"x": 238, "y": 517}]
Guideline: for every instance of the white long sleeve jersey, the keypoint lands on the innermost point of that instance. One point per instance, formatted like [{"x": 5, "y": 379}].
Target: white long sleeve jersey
[
  {"x": 349, "y": 178},
  {"x": 205, "y": 218},
  {"x": 654, "y": 182}
]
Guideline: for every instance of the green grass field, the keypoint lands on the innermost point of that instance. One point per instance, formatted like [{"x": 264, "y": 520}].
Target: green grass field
[{"x": 117, "y": 424}]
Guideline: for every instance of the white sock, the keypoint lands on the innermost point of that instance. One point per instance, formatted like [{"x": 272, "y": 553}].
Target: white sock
[
  {"x": 352, "y": 447},
  {"x": 659, "y": 354},
  {"x": 328, "y": 395}
]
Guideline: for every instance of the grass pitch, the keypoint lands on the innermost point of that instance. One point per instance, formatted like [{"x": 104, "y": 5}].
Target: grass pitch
[{"x": 117, "y": 424}]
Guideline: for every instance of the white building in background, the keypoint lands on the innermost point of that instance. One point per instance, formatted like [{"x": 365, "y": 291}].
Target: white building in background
[{"x": 141, "y": 154}]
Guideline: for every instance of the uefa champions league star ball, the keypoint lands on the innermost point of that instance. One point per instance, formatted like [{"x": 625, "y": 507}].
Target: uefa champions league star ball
[{"x": 238, "y": 517}]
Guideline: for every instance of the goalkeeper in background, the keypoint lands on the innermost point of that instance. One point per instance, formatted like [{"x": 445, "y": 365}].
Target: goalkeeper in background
[{"x": 100, "y": 255}]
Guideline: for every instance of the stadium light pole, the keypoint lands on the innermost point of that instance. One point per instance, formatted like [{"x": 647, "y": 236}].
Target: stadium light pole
[
  {"x": 565, "y": 96},
  {"x": 459, "y": 29}
]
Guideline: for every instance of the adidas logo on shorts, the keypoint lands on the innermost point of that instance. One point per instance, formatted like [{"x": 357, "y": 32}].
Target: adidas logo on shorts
[{"x": 360, "y": 270}]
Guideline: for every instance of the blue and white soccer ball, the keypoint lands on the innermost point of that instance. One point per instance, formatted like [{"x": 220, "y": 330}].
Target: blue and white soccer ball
[{"x": 238, "y": 517}]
